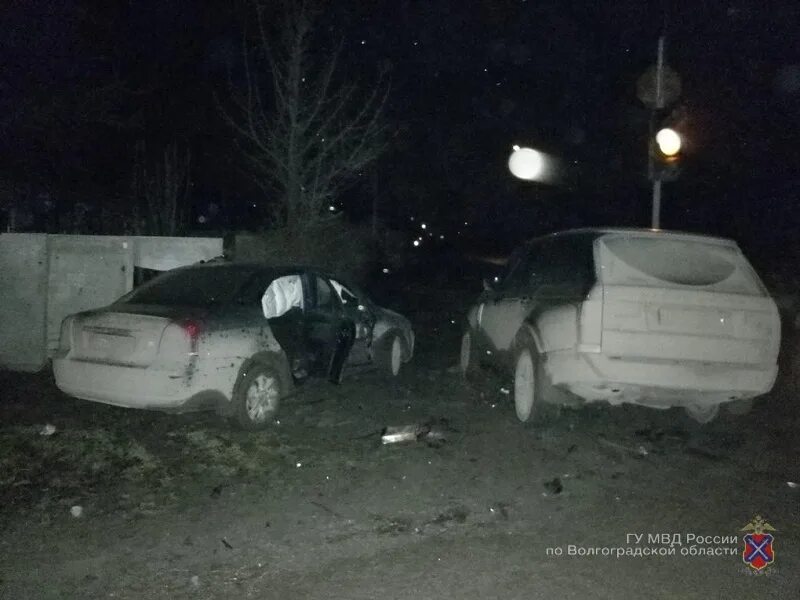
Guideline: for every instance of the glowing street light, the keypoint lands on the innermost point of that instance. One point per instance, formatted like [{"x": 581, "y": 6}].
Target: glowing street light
[
  {"x": 669, "y": 141},
  {"x": 532, "y": 165},
  {"x": 526, "y": 163}
]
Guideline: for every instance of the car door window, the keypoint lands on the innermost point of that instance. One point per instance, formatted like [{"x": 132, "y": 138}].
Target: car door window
[
  {"x": 347, "y": 297},
  {"x": 325, "y": 297}
]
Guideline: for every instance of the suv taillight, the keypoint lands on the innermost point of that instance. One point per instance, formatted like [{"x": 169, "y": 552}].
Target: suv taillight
[
  {"x": 65, "y": 336},
  {"x": 590, "y": 321}
]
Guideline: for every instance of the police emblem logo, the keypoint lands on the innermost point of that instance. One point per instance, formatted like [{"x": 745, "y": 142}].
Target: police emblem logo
[{"x": 758, "y": 552}]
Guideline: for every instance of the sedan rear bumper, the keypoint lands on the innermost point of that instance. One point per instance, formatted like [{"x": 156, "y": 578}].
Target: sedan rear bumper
[{"x": 144, "y": 388}]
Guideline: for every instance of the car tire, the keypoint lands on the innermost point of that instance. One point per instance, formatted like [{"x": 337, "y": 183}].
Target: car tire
[
  {"x": 530, "y": 383},
  {"x": 469, "y": 364},
  {"x": 702, "y": 413},
  {"x": 257, "y": 396},
  {"x": 389, "y": 354}
]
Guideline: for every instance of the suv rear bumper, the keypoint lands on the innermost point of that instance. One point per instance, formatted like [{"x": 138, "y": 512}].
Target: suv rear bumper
[{"x": 657, "y": 383}]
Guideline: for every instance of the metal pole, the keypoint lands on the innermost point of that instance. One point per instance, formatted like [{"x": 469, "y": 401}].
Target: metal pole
[{"x": 656, "y": 218}]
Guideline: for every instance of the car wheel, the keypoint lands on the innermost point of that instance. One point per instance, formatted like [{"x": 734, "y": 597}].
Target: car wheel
[
  {"x": 469, "y": 357},
  {"x": 739, "y": 407},
  {"x": 702, "y": 413},
  {"x": 389, "y": 354},
  {"x": 530, "y": 383},
  {"x": 257, "y": 396}
]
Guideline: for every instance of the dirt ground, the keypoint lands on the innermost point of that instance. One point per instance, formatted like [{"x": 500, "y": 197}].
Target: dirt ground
[{"x": 316, "y": 507}]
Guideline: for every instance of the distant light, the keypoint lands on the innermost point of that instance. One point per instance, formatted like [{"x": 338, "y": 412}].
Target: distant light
[
  {"x": 441, "y": 237},
  {"x": 497, "y": 279},
  {"x": 465, "y": 223},
  {"x": 331, "y": 208},
  {"x": 385, "y": 270},
  {"x": 412, "y": 218},
  {"x": 416, "y": 242},
  {"x": 669, "y": 141},
  {"x": 526, "y": 163},
  {"x": 201, "y": 219},
  {"x": 424, "y": 225}
]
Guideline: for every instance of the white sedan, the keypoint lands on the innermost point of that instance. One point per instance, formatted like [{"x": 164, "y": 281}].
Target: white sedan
[{"x": 226, "y": 336}]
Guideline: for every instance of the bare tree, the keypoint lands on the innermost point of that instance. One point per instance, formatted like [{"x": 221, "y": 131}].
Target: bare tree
[
  {"x": 161, "y": 186},
  {"x": 305, "y": 135}
]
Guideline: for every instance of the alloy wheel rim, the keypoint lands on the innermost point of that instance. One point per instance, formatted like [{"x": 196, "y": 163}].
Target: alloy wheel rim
[{"x": 262, "y": 397}]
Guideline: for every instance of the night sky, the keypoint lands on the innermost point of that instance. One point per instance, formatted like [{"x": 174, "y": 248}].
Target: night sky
[{"x": 82, "y": 81}]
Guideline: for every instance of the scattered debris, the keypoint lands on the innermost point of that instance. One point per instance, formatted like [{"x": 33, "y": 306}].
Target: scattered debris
[
  {"x": 48, "y": 430},
  {"x": 505, "y": 391},
  {"x": 326, "y": 509},
  {"x": 406, "y": 433},
  {"x": 793, "y": 484},
  {"x": 500, "y": 508},
  {"x": 433, "y": 432},
  {"x": 76, "y": 511},
  {"x": 572, "y": 448},
  {"x": 226, "y": 544},
  {"x": 217, "y": 491},
  {"x": 457, "y": 514},
  {"x": 554, "y": 486},
  {"x": 394, "y": 526},
  {"x": 195, "y": 581},
  {"x": 638, "y": 451}
]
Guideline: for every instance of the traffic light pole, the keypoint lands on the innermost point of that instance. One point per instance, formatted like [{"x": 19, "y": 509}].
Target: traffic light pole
[{"x": 656, "y": 217}]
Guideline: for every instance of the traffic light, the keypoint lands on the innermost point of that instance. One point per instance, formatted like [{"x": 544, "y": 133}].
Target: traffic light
[{"x": 665, "y": 152}]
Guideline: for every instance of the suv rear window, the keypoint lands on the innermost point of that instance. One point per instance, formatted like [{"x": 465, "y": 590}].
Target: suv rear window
[{"x": 675, "y": 262}]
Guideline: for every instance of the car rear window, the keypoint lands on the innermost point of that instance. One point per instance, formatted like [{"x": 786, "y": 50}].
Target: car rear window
[
  {"x": 676, "y": 262},
  {"x": 201, "y": 286}
]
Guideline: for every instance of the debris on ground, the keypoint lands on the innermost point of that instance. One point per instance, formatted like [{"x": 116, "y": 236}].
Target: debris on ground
[
  {"x": 195, "y": 581},
  {"x": 640, "y": 451},
  {"x": 500, "y": 508},
  {"x": 432, "y": 431},
  {"x": 47, "y": 430},
  {"x": 76, "y": 511},
  {"x": 554, "y": 486},
  {"x": 793, "y": 484}
]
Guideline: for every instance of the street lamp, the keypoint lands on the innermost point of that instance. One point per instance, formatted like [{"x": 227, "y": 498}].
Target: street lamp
[{"x": 526, "y": 163}]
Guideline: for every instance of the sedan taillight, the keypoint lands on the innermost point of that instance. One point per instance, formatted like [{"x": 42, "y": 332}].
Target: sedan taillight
[{"x": 180, "y": 337}]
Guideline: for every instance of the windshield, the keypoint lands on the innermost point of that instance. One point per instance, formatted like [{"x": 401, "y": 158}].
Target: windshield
[{"x": 200, "y": 286}]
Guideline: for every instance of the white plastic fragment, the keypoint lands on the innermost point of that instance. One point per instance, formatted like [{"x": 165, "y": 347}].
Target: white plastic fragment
[
  {"x": 406, "y": 433},
  {"x": 48, "y": 430},
  {"x": 76, "y": 511},
  {"x": 793, "y": 484},
  {"x": 195, "y": 580},
  {"x": 505, "y": 391}
]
